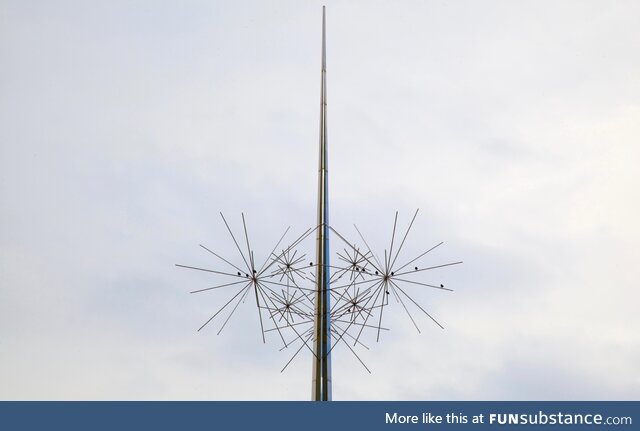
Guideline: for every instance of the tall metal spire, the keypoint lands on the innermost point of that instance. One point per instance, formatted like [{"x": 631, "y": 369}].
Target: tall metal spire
[
  {"x": 362, "y": 284},
  {"x": 321, "y": 386}
]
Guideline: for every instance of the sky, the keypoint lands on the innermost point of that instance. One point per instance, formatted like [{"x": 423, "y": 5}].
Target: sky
[{"x": 127, "y": 126}]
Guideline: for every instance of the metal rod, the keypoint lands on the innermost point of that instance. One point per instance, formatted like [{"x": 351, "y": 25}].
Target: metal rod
[{"x": 321, "y": 378}]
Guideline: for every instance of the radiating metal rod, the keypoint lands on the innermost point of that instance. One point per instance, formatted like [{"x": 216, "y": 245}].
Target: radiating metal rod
[{"x": 321, "y": 380}]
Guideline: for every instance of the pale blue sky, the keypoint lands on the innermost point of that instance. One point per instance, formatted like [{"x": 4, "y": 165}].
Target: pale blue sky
[{"x": 126, "y": 126}]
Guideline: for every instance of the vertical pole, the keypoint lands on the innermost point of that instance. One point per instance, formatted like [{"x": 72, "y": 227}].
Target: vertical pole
[{"x": 321, "y": 385}]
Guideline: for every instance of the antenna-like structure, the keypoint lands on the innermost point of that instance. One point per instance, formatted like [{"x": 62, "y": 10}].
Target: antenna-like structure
[
  {"x": 319, "y": 306},
  {"x": 321, "y": 386}
]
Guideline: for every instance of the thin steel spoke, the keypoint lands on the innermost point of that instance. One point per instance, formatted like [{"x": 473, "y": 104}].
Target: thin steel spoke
[
  {"x": 386, "y": 289},
  {"x": 404, "y": 238},
  {"x": 230, "y": 314},
  {"x": 356, "y": 355},
  {"x": 220, "y": 257},
  {"x": 274, "y": 249},
  {"x": 430, "y": 267},
  {"x": 294, "y": 244},
  {"x": 294, "y": 330},
  {"x": 255, "y": 288},
  {"x": 288, "y": 325},
  {"x": 351, "y": 336},
  {"x": 418, "y": 305},
  {"x": 393, "y": 236},
  {"x": 272, "y": 318},
  {"x": 423, "y": 284},
  {"x": 282, "y": 284},
  {"x": 410, "y": 262},
  {"x": 360, "y": 324},
  {"x": 374, "y": 302},
  {"x": 369, "y": 248},
  {"x": 207, "y": 270},
  {"x": 224, "y": 306},
  {"x": 356, "y": 250},
  {"x": 236, "y": 242},
  {"x": 404, "y": 306},
  {"x": 217, "y": 287},
  {"x": 246, "y": 236},
  {"x": 304, "y": 343}
]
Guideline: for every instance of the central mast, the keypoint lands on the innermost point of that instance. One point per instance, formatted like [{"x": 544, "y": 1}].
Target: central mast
[{"x": 321, "y": 387}]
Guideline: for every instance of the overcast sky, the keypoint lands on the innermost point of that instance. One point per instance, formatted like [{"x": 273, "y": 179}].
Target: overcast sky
[{"x": 126, "y": 126}]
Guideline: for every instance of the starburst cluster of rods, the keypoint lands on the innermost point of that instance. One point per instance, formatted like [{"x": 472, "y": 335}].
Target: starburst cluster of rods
[{"x": 283, "y": 287}]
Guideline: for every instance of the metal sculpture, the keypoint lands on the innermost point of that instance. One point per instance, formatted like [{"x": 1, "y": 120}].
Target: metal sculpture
[{"x": 318, "y": 306}]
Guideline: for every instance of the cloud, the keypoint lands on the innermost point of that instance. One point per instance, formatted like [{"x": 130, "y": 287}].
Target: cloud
[{"x": 126, "y": 128}]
